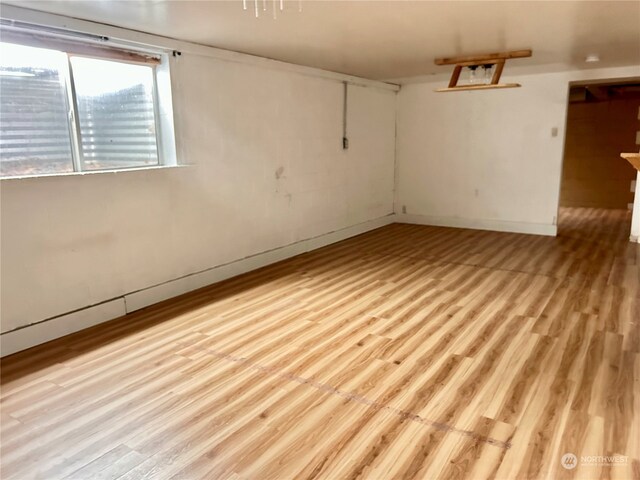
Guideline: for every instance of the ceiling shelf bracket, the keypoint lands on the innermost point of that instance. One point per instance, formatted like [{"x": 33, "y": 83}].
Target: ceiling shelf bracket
[{"x": 490, "y": 60}]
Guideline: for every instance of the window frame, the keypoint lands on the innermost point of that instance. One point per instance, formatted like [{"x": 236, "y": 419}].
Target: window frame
[
  {"x": 113, "y": 53},
  {"x": 75, "y": 127}
]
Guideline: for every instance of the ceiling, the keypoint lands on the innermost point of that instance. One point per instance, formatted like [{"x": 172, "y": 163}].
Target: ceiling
[{"x": 385, "y": 40}]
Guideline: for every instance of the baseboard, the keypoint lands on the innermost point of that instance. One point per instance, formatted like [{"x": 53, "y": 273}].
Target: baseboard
[
  {"x": 479, "y": 224},
  {"x": 149, "y": 296},
  {"x": 47, "y": 330},
  {"x": 65, "y": 324}
]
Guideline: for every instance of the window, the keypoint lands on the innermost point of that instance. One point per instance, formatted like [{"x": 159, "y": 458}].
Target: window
[
  {"x": 63, "y": 111},
  {"x": 35, "y": 135},
  {"x": 115, "y": 113}
]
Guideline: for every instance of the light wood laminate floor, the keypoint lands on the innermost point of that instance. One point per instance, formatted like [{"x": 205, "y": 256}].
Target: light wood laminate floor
[{"x": 408, "y": 352}]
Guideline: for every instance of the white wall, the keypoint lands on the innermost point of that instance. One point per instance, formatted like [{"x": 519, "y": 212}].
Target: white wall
[
  {"x": 486, "y": 159},
  {"x": 73, "y": 241},
  {"x": 266, "y": 178}
]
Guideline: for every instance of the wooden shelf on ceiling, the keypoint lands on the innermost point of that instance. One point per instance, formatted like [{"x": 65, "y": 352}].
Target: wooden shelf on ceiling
[
  {"x": 632, "y": 158},
  {"x": 478, "y": 87},
  {"x": 495, "y": 60},
  {"x": 482, "y": 59}
]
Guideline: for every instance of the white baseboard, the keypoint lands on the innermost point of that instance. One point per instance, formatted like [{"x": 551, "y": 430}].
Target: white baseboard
[
  {"x": 479, "y": 224},
  {"x": 46, "y": 330},
  {"x": 35, "y": 334},
  {"x": 151, "y": 295}
]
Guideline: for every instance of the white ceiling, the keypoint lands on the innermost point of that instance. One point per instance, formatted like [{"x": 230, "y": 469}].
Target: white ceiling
[{"x": 387, "y": 40}]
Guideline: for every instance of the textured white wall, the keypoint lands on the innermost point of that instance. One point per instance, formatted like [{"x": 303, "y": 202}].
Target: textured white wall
[
  {"x": 486, "y": 159},
  {"x": 261, "y": 141},
  {"x": 265, "y": 169}
]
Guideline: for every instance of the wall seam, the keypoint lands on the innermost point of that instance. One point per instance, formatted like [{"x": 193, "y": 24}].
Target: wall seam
[{"x": 395, "y": 153}]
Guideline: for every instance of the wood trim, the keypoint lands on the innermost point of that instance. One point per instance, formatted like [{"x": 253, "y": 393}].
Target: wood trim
[
  {"x": 497, "y": 73},
  {"x": 455, "y": 76},
  {"x": 633, "y": 159},
  {"x": 479, "y": 59},
  {"x": 477, "y": 87},
  {"x": 486, "y": 62},
  {"x": 115, "y": 54},
  {"x": 497, "y": 59},
  {"x": 80, "y": 48}
]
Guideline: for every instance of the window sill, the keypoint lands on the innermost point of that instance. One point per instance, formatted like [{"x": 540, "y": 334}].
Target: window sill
[{"x": 94, "y": 172}]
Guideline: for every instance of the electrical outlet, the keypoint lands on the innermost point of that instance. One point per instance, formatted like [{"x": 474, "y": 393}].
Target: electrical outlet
[{"x": 404, "y": 209}]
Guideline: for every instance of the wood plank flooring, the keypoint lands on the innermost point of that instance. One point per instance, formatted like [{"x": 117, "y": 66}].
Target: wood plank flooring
[{"x": 409, "y": 352}]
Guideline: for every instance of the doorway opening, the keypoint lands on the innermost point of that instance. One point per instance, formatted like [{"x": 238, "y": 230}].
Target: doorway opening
[{"x": 598, "y": 186}]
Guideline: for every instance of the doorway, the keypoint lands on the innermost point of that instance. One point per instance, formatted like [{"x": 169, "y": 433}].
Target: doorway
[{"x": 603, "y": 120}]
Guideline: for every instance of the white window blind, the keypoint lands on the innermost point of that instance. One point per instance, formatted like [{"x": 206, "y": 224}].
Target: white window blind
[{"x": 74, "y": 106}]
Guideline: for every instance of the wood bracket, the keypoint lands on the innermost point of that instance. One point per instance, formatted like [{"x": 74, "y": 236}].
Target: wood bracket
[{"x": 495, "y": 60}]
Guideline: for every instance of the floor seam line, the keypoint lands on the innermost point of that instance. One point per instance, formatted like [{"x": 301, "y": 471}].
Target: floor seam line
[{"x": 353, "y": 397}]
